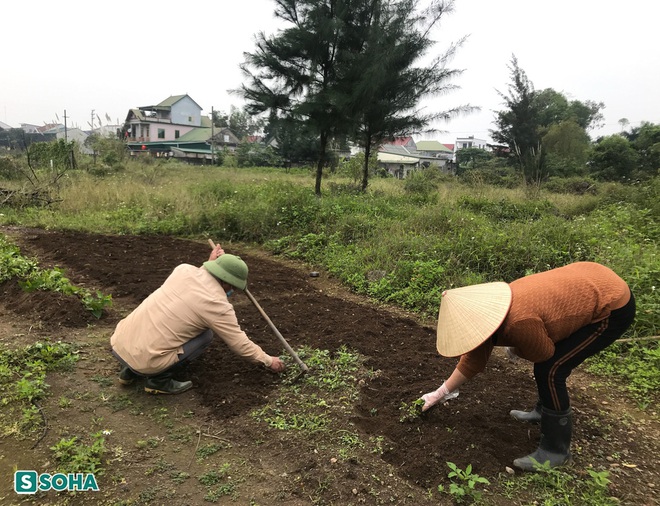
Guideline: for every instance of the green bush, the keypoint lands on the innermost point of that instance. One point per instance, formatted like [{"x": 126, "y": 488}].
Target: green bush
[{"x": 573, "y": 185}]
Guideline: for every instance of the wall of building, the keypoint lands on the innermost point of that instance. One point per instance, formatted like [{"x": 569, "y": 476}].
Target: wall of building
[{"x": 186, "y": 112}]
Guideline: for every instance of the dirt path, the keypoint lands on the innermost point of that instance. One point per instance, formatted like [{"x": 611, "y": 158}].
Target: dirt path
[{"x": 475, "y": 428}]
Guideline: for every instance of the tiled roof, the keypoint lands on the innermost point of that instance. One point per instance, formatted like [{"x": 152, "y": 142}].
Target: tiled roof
[
  {"x": 393, "y": 158},
  {"x": 401, "y": 141},
  {"x": 169, "y": 102},
  {"x": 196, "y": 135},
  {"x": 395, "y": 149},
  {"x": 432, "y": 146}
]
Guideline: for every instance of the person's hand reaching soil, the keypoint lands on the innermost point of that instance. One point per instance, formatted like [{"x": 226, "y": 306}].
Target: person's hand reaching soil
[
  {"x": 277, "y": 365},
  {"x": 442, "y": 394}
]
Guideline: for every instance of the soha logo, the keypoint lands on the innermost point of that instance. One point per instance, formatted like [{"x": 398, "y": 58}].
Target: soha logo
[{"x": 31, "y": 482}]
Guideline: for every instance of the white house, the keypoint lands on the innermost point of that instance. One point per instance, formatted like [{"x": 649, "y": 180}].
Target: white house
[
  {"x": 470, "y": 142},
  {"x": 167, "y": 121}
]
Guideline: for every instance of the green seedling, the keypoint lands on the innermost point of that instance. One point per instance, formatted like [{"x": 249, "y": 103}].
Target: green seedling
[
  {"x": 411, "y": 411},
  {"x": 463, "y": 484}
]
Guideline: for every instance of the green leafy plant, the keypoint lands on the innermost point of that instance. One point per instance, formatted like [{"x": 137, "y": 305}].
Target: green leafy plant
[
  {"x": 463, "y": 484},
  {"x": 74, "y": 456},
  {"x": 23, "y": 383},
  {"x": 600, "y": 478},
  {"x": 213, "y": 477},
  {"x": 31, "y": 277},
  {"x": 207, "y": 450},
  {"x": 179, "y": 476},
  {"x": 562, "y": 487},
  {"x": 411, "y": 411}
]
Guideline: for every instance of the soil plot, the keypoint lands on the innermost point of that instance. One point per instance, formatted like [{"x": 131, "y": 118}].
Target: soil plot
[{"x": 474, "y": 428}]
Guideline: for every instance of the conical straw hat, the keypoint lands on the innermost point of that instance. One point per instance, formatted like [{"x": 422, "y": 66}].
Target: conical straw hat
[{"x": 470, "y": 315}]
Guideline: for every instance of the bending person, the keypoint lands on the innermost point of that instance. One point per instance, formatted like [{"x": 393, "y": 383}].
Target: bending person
[
  {"x": 555, "y": 319},
  {"x": 176, "y": 323}
]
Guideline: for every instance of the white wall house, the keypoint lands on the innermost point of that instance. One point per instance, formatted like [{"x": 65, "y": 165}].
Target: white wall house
[{"x": 470, "y": 142}]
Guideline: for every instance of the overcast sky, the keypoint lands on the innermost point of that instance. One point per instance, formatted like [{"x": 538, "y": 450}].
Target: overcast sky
[{"x": 107, "y": 57}]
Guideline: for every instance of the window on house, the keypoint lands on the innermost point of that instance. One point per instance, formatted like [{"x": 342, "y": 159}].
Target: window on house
[
  {"x": 161, "y": 133},
  {"x": 226, "y": 138},
  {"x": 189, "y": 119},
  {"x": 176, "y": 134}
]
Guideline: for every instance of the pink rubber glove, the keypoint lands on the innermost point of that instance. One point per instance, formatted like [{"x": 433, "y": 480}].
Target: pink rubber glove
[{"x": 440, "y": 395}]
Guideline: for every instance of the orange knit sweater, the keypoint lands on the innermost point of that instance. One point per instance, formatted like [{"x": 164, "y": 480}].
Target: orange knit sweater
[{"x": 550, "y": 306}]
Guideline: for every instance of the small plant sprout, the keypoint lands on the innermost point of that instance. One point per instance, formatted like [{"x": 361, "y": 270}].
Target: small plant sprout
[
  {"x": 410, "y": 411},
  {"x": 463, "y": 483}
]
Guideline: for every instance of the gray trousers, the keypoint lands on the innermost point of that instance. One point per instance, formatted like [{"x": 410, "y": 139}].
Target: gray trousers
[{"x": 191, "y": 350}]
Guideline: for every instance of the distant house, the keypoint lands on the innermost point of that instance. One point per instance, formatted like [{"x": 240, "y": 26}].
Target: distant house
[
  {"x": 223, "y": 138},
  {"x": 175, "y": 128},
  {"x": 36, "y": 133},
  {"x": 29, "y": 128},
  {"x": 70, "y": 135},
  {"x": 406, "y": 142},
  {"x": 398, "y": 161},
  {"x": 470, "y": 142},
  {"x": 166, "y": 121},
  {"x": 406, "y": 155},
  {"x": 434, "y": 149},
  {"x": 5, "y": 139},
  {"x": 199, "y": 145}
]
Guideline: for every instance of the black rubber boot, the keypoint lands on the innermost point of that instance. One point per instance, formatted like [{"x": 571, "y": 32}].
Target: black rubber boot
[
  {"x": 165, "y": 384},
  {"x": 555, "y": 444},
  {"x": 533, "y": 416},
  {"x": 126, "y": 376}
]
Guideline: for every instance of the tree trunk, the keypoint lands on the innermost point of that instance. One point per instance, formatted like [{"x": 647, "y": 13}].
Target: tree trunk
[
  {"x": 321, "y": 162},
  {"x": 365, "y": 170}
]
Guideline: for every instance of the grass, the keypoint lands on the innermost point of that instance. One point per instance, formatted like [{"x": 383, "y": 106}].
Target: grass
[
  {"x": 398, "y": 243},
  {"x": 307, "y": 406},
  {"x": 557, "y": 487},
  {"x": 74, "y": 456},
  {"x": 430, "y": 237},
  {"x": 31, "y": 277},
  {"x": 23, "y": 383}
]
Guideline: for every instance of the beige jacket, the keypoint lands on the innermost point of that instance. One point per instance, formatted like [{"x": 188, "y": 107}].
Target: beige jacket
[{"x": 190, "y": 301}]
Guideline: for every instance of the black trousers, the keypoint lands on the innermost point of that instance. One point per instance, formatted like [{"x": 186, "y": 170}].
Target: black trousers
[{"x": 551, "y": 375}]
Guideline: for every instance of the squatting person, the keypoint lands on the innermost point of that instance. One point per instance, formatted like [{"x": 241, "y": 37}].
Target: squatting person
[
  {"x": 176, "y": 323},
  {"x": 555, "y": 319}
]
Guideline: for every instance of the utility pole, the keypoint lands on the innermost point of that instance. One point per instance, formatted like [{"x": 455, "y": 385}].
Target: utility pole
[
  {"x": 72, "y": 160},
  {"x": 212, "y": 140}
]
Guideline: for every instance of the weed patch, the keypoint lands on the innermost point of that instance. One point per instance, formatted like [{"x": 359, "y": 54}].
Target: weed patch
[
  {"x": 74, "y": 456},
  {"x": 31, "y": 277},
  {"x": 23, "y": 383}
]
